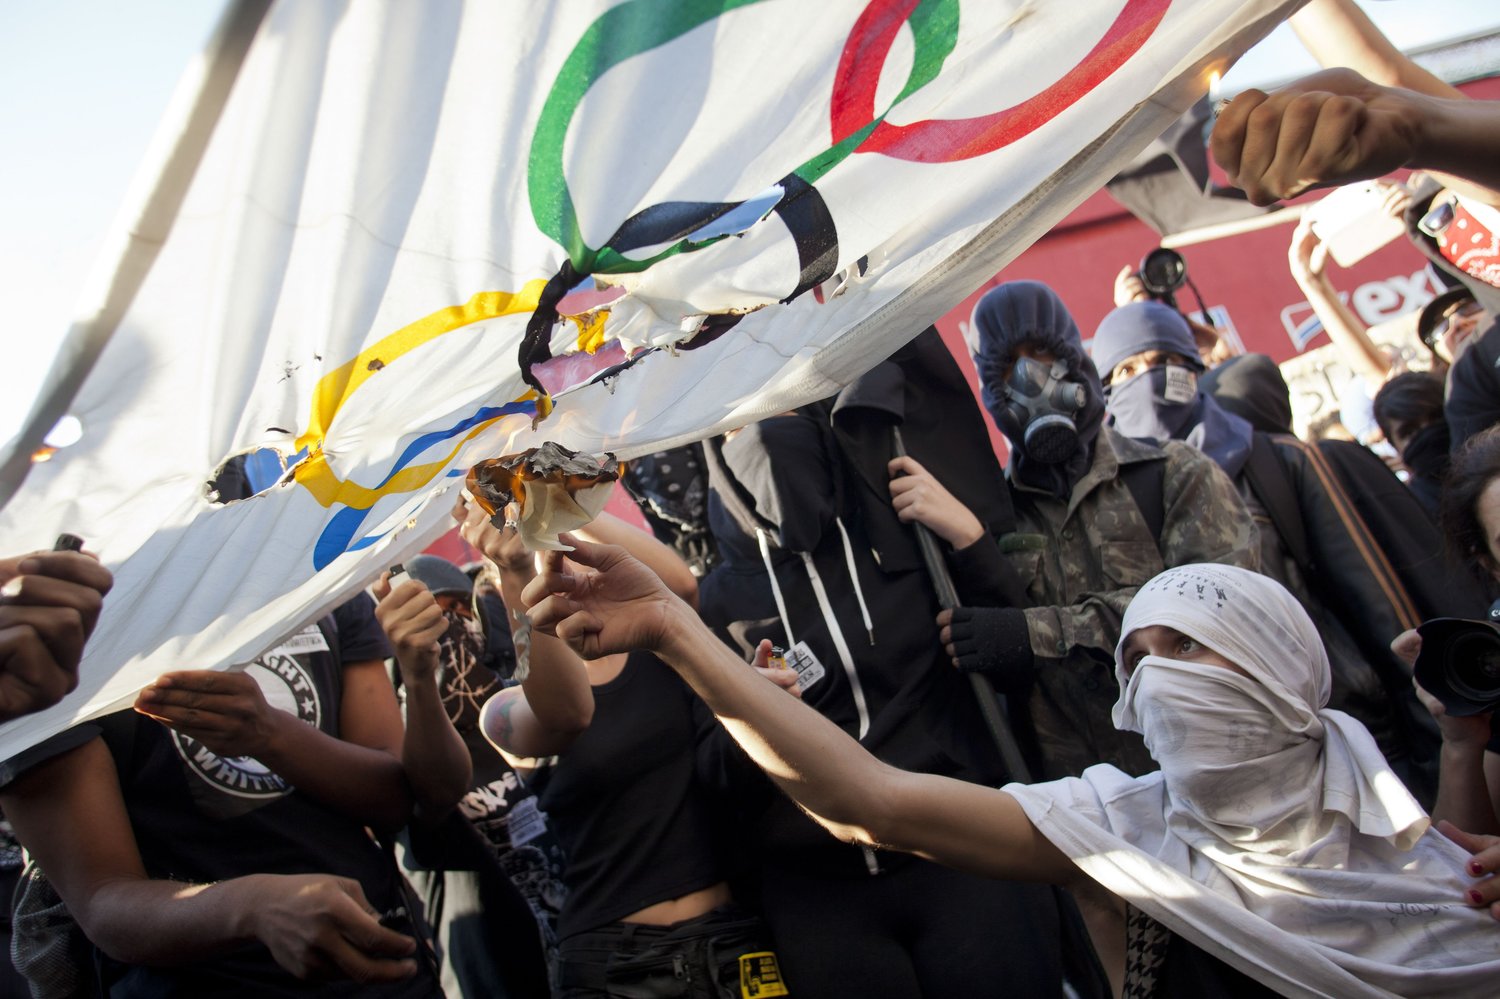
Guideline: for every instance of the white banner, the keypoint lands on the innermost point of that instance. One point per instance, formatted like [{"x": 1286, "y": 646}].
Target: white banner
[{"x": 394, "y": 191}]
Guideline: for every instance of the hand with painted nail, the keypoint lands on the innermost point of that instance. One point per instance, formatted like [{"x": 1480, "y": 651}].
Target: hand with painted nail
[
  {"x": 1481, "y": 867},
  {"x": 49, "y": 604}
]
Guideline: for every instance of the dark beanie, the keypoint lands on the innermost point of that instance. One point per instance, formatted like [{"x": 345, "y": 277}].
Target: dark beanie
[{"x": 1139, "y": 327}]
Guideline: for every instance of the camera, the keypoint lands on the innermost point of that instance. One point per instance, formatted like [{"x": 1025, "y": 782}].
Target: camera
[
  {"x": 1460, "y": 663},
  {"x": 1163, "y": 271}
]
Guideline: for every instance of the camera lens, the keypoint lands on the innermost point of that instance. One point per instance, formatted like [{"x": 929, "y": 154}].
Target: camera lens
[
  {"x": 1163, "y": 271},
  {"x": 1474, "y": 666}
]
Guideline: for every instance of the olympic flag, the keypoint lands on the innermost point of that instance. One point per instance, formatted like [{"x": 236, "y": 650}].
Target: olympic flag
[{"x": 384, "y": 240}]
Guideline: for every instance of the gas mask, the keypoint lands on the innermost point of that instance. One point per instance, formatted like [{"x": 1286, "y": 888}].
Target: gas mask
[{"x": 1040, "y": 409}]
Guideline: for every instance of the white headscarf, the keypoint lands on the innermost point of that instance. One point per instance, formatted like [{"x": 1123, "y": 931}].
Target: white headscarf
[{"x": 1275, "y": 837}]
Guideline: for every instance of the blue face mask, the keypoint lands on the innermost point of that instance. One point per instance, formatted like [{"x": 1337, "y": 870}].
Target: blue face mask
[{"x": 1156, "y": 403}]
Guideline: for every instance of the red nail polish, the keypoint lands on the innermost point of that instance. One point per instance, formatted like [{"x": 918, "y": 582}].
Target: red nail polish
[
  {"x": 1475, "y": 868},
  {"x": 1475, "y": 898}
]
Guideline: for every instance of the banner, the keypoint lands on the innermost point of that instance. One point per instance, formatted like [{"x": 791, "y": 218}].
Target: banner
[{"x": 424, "y": 234}]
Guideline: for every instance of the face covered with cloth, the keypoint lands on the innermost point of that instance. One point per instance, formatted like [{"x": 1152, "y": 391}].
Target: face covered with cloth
[{"x": 1275, "y": 835}]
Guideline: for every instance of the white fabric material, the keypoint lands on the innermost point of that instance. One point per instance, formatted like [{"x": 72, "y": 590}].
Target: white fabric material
[
  {"x": 1275, "y": 836},
  {"x": 391, "y": 185}
]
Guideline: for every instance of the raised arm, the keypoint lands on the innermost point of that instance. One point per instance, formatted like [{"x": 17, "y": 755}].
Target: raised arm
[
  {"x": 555, "y": 702},
  {"x": 1308, "y": 259},
  {"x": 436, "y": 761},
  {"x": 1335, "y": 127},
  {"x": 1337, "y": 33},
  {"x": 612, "y": 603},
  {"x": 607, "y": 529},
  {"x": 49, "y": 603}
]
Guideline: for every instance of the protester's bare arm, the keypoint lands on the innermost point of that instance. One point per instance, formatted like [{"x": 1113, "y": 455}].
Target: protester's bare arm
[
  {"x": 49, "y": 603},
  {"x": 555, "y": 702},
  {"x": 607, "y": 529},
  {"x": 358, "y": 774},
  {"x": 437, "y": 763},
  {"x": 1335, "y": 126},
  {"x": 1308, "y": 258},
  {"x": 1463, "y": 796},
  {"x": 612, "y": 603},
  {"x": 69, "y": 814},
  {"x": 1338, "y": 34}
]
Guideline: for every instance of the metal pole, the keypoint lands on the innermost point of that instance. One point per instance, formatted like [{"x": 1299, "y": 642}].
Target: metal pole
[{"x": 991, "y": 708}]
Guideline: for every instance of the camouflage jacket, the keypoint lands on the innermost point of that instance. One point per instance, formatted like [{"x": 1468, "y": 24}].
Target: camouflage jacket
[{"x": 1082, "y": 562}]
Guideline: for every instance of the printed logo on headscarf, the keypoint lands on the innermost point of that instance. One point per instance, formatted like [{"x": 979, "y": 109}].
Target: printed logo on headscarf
[
  {"x": 287, "y": 686},
  {"x": 1190, "y": 585}
]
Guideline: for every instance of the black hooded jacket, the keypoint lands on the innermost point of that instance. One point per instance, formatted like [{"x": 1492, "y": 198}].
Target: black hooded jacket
[{"x": 796, "y": 479}]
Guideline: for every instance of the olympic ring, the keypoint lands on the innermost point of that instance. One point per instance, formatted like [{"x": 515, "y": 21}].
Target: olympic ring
[{"x": 945, "y": 141}]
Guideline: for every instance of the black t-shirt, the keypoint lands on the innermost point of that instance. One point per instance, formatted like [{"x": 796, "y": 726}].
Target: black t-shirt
[
  {"x": 624, "y": 800},
  {"x": 200, "y": 818}
]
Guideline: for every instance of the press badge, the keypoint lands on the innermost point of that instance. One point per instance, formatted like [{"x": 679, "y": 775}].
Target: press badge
[
  {"x": 760, "y": 976},
  {"x": 1182, "y": 384},
  {"x": 801, "y": 659}
]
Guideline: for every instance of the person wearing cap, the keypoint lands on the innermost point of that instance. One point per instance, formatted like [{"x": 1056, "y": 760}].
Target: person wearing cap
[
  {"x": 1447, "y": 325},
  {"x": 1459, "y": 331},
  {"x": 1311, "y": 538}
]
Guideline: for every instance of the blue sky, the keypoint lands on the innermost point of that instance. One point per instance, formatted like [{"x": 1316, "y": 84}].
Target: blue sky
[{"x": 85, "y": 82}]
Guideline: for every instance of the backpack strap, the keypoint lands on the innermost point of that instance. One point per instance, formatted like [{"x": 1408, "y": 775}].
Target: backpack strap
[
  {"x": 1273, "y": 487},
  {"x": 1146, "y": 482}
]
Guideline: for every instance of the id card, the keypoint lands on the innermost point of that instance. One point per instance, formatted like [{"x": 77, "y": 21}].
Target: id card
[
  {"x": 801, "y": 659},
  {"x": 1182, "y": 384},
  {"x": 526, "y": 822}
]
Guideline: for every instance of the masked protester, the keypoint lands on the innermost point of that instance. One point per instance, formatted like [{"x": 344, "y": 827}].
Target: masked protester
[
  {"x": 1273, "y": 852},
  {"x": 1311, "y": 538},
  {"x": 1409, "y": 409},
  {"x": 490, "y": 874},
  {"x": 1097, "y": 515},
  {"x": 817, "y": 558},
  {"x": 1251, "y": 386}
]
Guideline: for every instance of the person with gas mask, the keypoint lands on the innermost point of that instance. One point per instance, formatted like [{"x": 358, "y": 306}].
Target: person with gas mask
[
  {"x": 1097, "y": 515},
  {"x": 1311, "y": 538},
  {"x": 817, "y": 559}
]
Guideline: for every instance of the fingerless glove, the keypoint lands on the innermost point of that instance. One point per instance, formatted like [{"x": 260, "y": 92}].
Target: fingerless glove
[{"x": 994, "y": 641}]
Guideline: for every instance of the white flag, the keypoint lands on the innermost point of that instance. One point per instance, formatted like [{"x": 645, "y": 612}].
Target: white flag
[{"x": 365, "y": 272}]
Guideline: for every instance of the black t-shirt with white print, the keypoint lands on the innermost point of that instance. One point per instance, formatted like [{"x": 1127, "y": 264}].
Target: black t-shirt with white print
[{"x": 199, "y": 817}]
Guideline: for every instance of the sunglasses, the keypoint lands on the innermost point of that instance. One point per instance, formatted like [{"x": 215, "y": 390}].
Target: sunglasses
[{"x": 1467, "y": 311}]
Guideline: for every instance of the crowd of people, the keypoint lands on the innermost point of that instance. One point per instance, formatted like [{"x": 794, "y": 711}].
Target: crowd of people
[{"x": 865, "y": 713}]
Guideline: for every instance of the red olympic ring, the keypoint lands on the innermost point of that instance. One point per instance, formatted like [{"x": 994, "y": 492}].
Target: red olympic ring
[{"x": 945, "y": 141}]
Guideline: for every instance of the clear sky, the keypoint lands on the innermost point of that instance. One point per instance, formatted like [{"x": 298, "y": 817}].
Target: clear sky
[{"x": 85, "y": 81}]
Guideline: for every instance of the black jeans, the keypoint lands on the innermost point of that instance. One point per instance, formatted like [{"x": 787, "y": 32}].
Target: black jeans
[{"x": 723, "y": 954}]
